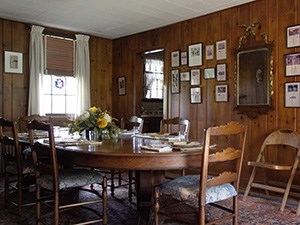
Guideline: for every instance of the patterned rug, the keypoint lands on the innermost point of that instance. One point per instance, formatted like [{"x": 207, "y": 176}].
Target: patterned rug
[{"x": 253, "y": 211}]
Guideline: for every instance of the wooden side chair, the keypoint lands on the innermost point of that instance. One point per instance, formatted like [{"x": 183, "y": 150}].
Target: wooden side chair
[
  {"x": 280, "y": 140},
  {"x": 17, "y": 170},
  {"x": 186, "y": 197},
  {"x": 23, "y": 121},
  {"x": 58, "y": 180},
  {"x": 180, "y": 123}
]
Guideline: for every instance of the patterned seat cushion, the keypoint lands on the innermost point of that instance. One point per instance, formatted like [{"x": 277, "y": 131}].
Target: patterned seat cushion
[
  {"x": 70, "y": 178},
  {"x": 186, "y": 188}
]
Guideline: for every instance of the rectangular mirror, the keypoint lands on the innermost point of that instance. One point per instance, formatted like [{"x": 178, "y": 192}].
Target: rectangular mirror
[{"x": 253, "y": 77}]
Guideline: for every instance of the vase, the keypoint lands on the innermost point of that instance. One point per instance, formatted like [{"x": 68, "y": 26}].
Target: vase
[{"x": 93, "y": 135}]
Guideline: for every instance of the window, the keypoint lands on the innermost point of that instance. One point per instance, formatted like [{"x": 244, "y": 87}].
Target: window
[
  {"x": 59, "y": 83},
  {"x": 153, "y": 75},
  {"x": 59, "y": 94}
]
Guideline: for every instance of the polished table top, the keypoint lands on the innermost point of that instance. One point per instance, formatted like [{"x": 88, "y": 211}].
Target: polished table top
[{"x": 126, "y": 153}]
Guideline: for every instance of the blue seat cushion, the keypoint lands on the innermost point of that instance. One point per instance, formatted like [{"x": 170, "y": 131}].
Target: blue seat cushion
[
  {"x": 186, "y": 188},
  {"x": 28, "y": 167},
  {"x": 71, "y": 178}
]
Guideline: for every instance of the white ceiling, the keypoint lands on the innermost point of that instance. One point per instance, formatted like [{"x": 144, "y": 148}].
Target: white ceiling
[{"x": 109, "y": 18}]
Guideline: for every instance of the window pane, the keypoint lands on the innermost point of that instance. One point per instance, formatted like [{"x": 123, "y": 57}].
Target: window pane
[
  {"x": 58, "y": 105},
  {"x": 46, "y": 103},
  {"x": 70, "y": 106},
  {"x": 59, "y": 84},
  {"x": 47, "y": 84},
  {"x": 71, "y": 86}
]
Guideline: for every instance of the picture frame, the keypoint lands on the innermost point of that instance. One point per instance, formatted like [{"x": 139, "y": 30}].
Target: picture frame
[
  {"x": 221, "y": 50},
  {"x": 209, "y": 52},
  {"x": 195, "y": 95},
  {"x": 221, "y": 93},
  {"x": 292, "y": 64},
  {"x": 195, "y": 55},
  {"x": 175, "y": 86},
  {"x": 209, "y": 73},
  {"x": 293, "y": 36},
  {"x": 185, "y": 76},
  {"x": 13, "y": 62},
  {"x": 292, "y": 94},
  {"x": 175, "y": 58},
  {"x": 195, "y": 77},
  {"x": 221, "y": 72},
  {"x": 183, "y": 58},
  {"x": 122, "y": 85}
]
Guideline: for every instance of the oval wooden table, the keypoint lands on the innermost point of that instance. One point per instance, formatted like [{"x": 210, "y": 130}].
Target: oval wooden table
[{"x": 126, "y": 154}]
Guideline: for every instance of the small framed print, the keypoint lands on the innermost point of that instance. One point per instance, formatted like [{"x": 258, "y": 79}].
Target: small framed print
[
  {"x": 292, "y": 94},
  {"x": 209, "y": 73},
  {"x": 13, "y": 62},
  {"x": 185, "y": 76},
  {"x": 293, "y": 36},
  {"x": 175, "y": 86},
  {"x": 195, "y": 77},
  {"x": 222, "y": 93},
  {"x": 183, "y": 58},
  {"x": 195, "y": 95},
  {"x": 209, "y": 52},
  {"x": 195, "y": 54},
  {"x": 221, "y": 72},
  {"x": 221, "y": 50},
  {"x": 175, "y": 59},
  {"x": 292, "y": 64},
  {"x": 121, "y": 85}
]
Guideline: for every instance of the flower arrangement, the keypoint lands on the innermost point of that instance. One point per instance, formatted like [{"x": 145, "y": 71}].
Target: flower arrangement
[{"x": 95, "y": 119}]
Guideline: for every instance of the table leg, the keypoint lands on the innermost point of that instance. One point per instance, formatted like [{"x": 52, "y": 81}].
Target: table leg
[{"x": 146, "y": 180}]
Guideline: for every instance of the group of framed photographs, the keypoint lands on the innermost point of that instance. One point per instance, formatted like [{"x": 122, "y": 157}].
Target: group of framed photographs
[
  {"x": 193, "y": 57},
  {"x": 292, "y": 67}
]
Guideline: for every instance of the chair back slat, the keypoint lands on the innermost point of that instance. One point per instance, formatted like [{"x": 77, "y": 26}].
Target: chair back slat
[
  {"x": 182, "y": 124},
  {"x": 283, "y": 137}
]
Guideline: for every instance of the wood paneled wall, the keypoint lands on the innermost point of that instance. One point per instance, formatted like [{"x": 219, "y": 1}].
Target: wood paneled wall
[
  {"x": 274, "y": 16},
  {"x": 14, "y": 36}
]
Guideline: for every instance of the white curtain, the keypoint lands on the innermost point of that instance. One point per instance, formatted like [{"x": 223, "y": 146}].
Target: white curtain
[
  {"x": 36, "y": 65},
  {"x": 82, "y": 72}
]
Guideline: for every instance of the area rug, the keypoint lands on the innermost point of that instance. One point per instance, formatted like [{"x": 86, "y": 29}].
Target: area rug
[{"x": 254, "y": 210}]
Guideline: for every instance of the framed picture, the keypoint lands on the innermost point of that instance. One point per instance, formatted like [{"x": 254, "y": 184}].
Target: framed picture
[
  {"x": 195, "y": 77},
  {"x": 195, "y": 95},
  {"x": 209, "y": 52},
  {"x": 183, "y": 58},
  {"x": 209, "y": 73},
  {"x": 13, "y": 62},
  {"x": 221, "y": 72},
  {"x": 222, "y": 93},
  {"x": 175, "y": 60},
  {"x": 121, "y": 85},
  {"x": 293, "y": 36},
  {"x": 185, "y": 76},
  {"x": 195, "y": 54},
  {"x": 292, "y": 64},
  {"x": 292, "y": 94},
  {"x": 175, "y": 86},
  {"x": 221, "y": 50}
]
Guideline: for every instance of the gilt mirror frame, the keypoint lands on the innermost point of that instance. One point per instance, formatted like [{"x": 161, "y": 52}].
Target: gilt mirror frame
[{"x": 253, "y": 73}]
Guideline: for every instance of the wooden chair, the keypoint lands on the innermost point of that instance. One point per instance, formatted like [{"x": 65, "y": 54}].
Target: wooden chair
[
  {"x": 57, "y": 180},
  {"x": 60, "y": 120},
  {"x": 17, "y": 170},
  {"x": 279, "y": 140},
  {"x": 132, "y": 122},
  {"x": 186, "y": 197},
  {"x": 182, "y": 125}
]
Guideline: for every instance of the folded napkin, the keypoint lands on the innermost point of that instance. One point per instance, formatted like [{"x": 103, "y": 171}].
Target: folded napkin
[
  {"x": 157, "y": 148},
  {"x": 185, "y": 144}
]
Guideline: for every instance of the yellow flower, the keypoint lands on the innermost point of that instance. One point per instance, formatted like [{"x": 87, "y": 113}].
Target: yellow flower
[
  {"x": 102, "y": 123},
  {"x": 93, "y": 109}
]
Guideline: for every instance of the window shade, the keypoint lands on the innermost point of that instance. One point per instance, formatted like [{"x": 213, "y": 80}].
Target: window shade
[{"x": 59, "y": 56}]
